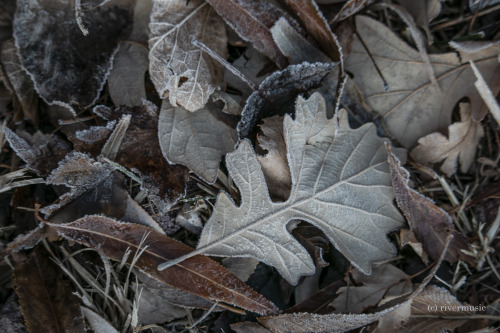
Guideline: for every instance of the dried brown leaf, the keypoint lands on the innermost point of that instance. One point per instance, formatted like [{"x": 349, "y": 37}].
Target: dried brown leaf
[
  {"x": 460, "y": 146},
  {"x": 198, "y": 275},
  {"x": 431, "y": 224},
  {"x": 413, "y": 108},
  {"x": 46, "y": 300},
  {"x": 180, "y": 70},
  {"x": 252, "y": 21},
  {"x": 140, "y": 151}
]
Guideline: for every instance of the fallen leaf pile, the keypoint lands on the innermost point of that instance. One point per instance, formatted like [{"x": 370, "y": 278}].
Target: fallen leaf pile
[{"x": 249, "y": 166}]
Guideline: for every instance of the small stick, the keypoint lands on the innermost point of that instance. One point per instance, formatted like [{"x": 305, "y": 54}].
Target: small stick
[{"x": 224, "y": 63}]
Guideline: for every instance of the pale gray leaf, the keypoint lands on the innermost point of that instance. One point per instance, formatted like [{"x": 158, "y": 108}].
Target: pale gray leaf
[
  {"x": 180, "y": 70},
  {"x": 340, "y": 183},
  {"x": 126, "y": 80},
  {"x": 197, "y": 140}
]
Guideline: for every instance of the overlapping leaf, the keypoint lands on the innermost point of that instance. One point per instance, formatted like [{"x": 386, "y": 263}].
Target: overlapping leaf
[
  {"x": 460, "y": 145},
  {"x": 340, "y": 184},
  {"x": 179, "y": 70},
  {"x": 414, "y": 107},
  {"x": 197, "y": 140},
  {"x": 198, "y": 275}
]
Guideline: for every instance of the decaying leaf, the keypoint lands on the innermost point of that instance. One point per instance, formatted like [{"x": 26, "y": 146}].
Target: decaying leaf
[
  {"x": 180, "y": 70},
  {"x": 197, "y": 140},
  {"x": 316, "y": 25},
  {"x": 198, "y": 275},
  {"x": 385, "y": 280},
  {"x": 275, "y": 164},
  {"x": 66, "y": 66},
  {"x": 40, "y": 151},
  {"x": 340, "y": 184},
  {"x": 431, "y": 224},
  {"x": 413, "y": 108},
  {"x": 19, "y": 80},
  {"x": 126, "y": 79},
  {"x": 252, "y": 21},
  {"x": 461, "y": 145},
  {"x": 140, "y": 151},
  {"x": 47, "y": 302},
  {"x": 276, "y": 94}
]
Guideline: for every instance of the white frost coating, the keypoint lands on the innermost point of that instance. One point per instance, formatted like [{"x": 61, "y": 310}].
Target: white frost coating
[
  {"x": 340, "y": 183},
  {"x": 95, "y": 133}
]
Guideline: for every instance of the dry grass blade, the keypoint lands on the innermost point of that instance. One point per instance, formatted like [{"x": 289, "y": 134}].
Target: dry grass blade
[{"x": 198, "y": 275}]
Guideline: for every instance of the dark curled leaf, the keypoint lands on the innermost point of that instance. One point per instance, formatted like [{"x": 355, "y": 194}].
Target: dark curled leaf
[
  {"x": 198, "y": 275},
  {"x": 66, "y": 66},
  {"x": 278, "y": 91}
]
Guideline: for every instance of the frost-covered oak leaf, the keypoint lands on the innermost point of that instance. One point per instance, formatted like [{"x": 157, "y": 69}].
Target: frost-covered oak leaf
[{"x": 340, "y": 183}]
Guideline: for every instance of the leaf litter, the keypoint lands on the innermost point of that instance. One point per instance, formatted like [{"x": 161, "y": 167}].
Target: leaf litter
[{"x": 124, "y": 110}]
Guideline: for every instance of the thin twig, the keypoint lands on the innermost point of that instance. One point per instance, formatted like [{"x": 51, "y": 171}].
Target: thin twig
[{"x": 224, "y": 63}]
